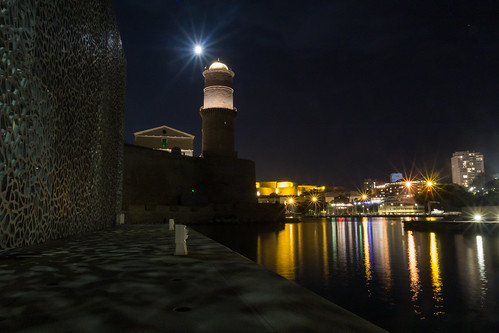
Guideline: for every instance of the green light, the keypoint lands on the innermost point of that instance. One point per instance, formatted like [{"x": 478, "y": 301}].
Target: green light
[
  {"x": 192, "y": 191},
  {"x": 163, "y": 143}
]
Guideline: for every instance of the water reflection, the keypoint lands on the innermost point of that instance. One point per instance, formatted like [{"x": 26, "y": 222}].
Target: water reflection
[
  {"x": 325, "y": 257},
  {"x": 280, "y": 250},
  {"x": 375, "y": 269},
  {"x": 481, "y": 268},
  {"x": 436, "y": 280},
  {"x": 367, "y": 251},
  {"x": 413, "y": 270}
]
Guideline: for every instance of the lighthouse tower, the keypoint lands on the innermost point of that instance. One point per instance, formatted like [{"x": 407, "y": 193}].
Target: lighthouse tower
[{"x": 218, "y": 112}]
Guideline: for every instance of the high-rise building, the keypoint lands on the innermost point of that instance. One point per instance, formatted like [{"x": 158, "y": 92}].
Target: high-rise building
[
  {"x": 218, "y": 112},
  {"x": 466, "y": 165}
]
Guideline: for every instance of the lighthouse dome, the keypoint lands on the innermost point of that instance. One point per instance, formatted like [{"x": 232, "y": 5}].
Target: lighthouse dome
[{"x": 218, "y": 65}]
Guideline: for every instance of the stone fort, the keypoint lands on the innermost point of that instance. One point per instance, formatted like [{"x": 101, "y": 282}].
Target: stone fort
[
  {"x": 215, "y": 187},
  {"x": 63, "y": 167}
]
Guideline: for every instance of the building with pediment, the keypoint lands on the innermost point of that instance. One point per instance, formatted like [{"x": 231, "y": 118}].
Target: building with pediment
[{"x": 167, "y": 139}]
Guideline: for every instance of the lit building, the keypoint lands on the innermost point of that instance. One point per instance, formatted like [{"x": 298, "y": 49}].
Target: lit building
[
  {"x": 466, "y": 165},
  {"x": 400, "y": 209},
  {"x": 310, "y": 189},
  {"x": 399, "y": 197},
  {"x": 165, "y": 138},
  {"x": 279, "y": 191},
  {"x": 278, "y": 188}
]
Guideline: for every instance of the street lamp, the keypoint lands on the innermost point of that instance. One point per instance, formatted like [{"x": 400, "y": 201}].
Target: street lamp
[{"x": 314, "y": 202}]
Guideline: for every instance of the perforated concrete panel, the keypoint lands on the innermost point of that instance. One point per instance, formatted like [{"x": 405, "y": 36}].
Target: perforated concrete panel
[{"x": 62, "y": 90}]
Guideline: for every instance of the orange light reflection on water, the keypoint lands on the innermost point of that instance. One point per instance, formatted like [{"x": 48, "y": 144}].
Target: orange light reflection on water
[
  {"x": 367, "y": 254},
  {"x": 436, "y": 279},
  {"x": 325, "y": 257},
  {"x": 280, "y": 249},
  {"x": 413, "y": 270}
]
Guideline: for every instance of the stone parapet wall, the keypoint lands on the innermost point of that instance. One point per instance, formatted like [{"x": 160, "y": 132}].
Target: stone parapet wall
[
  {"x": 159, "y": 186},
  {"x": 240, "y": 213}
]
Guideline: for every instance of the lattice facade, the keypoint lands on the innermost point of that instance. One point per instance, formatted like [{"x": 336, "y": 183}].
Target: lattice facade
[{"x": 62, "y": 96}]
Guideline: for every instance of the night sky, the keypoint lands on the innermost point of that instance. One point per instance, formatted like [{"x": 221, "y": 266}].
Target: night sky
[{"x": 327, "y": 92}]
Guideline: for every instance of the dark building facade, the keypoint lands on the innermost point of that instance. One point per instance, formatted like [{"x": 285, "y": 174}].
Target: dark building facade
[
  {"x": 63, "y": 76},
  {"x": 159, "y": 185}
]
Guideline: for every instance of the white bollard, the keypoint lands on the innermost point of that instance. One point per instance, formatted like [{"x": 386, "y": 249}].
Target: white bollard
[
  {"x": 181, "y": 234},
  {"x": 172, "y": 224}
]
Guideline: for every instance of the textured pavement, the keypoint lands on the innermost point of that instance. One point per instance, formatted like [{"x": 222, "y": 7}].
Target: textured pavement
[{"x": 126, "y": 279}]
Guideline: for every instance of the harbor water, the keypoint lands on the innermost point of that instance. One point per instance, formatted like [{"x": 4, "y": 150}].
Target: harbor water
[{"x": 399, "y": 279}]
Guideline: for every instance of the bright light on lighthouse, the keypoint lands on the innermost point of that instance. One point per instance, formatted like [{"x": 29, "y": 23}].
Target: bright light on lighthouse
[{"x": 198, "y": 49}]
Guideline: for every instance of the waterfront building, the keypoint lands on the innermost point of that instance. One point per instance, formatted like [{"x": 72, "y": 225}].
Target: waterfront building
[
  {"x": 399, "y": 197},
  {"x": 466, "y": 165},
  {"x": 400, "y": 209},
  {"x": 218, "y": 112},
  {"x": 166, "y": 139},
  {"x": 277, "y": 188},
  {"x": 310, "y": 189},
  {"x": 286, "y": 188}
]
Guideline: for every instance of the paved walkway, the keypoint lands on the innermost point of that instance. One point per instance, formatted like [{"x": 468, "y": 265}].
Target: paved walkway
[{"x": 126, "y": 279}]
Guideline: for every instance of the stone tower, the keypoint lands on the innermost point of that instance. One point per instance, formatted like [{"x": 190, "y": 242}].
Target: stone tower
[{"x": 218, "y": 112}]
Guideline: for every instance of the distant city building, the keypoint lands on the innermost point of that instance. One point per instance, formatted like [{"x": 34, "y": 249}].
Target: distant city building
[
  {"x": 399, "y": 197},
  {"x": 400, "y": 192},
  {"x": 277, "y": 188},
  {"x": 395, "y": 177},
  {"x": 165, "y": 138},
  {"x": 466, "y": 165},
  {"x": 284, "y": 189},
  {"x": 368, "y": 185}
]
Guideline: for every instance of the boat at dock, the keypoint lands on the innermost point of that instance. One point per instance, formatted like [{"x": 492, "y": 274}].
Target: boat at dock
[{"x": 488, "y": 227}]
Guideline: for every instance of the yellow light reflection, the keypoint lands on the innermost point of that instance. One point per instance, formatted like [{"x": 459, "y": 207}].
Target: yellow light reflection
[
  {"x": 436, "y": 279},
  {"x": 413, "y": 270},
  {"x": 285, "y": 256},
  {"x": 367, "y": 254},
  {"x": 387, "y": 267},
  {"x": 325, "y": 258},
  {"x": 279, "y": 251}
]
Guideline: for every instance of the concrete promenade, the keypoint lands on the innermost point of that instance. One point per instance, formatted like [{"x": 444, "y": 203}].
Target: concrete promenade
[{"x": 126, "y": 279}]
